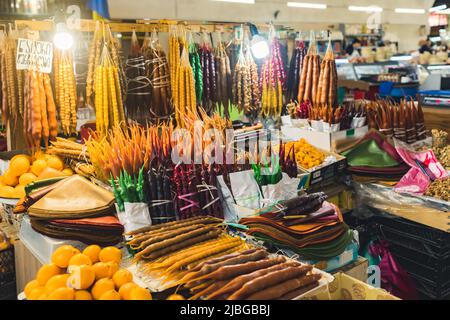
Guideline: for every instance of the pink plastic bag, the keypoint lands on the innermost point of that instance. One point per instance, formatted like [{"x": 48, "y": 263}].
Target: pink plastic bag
[{"x": 415, "y": 181}]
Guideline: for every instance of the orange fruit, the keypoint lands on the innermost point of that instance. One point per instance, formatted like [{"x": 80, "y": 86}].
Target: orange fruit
[
  {"x": 46, "y": 272},
  {"x": 30, "y": 286},
  {"x": 10, "y": 179},
  {"x": 68, "y": 172},
  {"x": 105, "y": 269},
  {"x": 62, "y": 294},
  {"x": 38, "y": 166},
  {"x": 43, "y": 296},
  {"x": 7, "y": 192},
  {"x": 56, "y": 282},
  {"x": 110, "y": 254},
  {"x": 110, "y": 295},
  {"x": 81, "y": 277},
  {"x": 101, "y": 286},
  {"x": 125, "y": 290},
  {"x": 19, "y": 166},
  {"x": 80, "y": 259},
  {"x": 92, "y": 252},
  {"x": 176, "y": 297},
  {"x": 63, "y": 254},
  {"x": 121, "y": 277},
  {"x": 36, "y": 293},
  {"x": 19, "y": 191},
  {"x": 82, "y": 295},
  {"x": 27, "y": 178},
  {"x": 55, "y": 162},
  {"x": 139, "y": 293},
  {"x": 39, "y": 155}
]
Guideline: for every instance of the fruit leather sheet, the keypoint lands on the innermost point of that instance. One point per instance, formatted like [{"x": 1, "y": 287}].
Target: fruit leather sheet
[
  {"x": 24, "y": 204},
  {"x": 103, "y": 231},
  {"x": 75, "y": 197}
]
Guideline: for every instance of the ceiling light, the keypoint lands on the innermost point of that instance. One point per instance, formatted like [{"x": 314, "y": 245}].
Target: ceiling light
[
  {"x": 438, "y": 8},
  {"x": 306, "y": 5},
  {"x": 410, "y": 10},
  {"x": 260, "y": 47},
  {"x": 365, "y": 9},
  {"x": 236, "y": 1},
  {"x": 63, "y": 40}
]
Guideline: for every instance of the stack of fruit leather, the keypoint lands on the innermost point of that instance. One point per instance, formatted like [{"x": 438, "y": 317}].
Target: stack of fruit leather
[
  {"x": 76, "y": 209},
  {"x": 374, "y": 156},
  {"x": 319, "y": 235}
]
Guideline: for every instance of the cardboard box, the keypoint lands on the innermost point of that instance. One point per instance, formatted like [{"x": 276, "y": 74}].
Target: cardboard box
[
  {"x": 328, "y": 172},
  {"x": 357, "y": 269},
  {"x": 323, "y": 140},
  {"x": 345, "y": 287}
]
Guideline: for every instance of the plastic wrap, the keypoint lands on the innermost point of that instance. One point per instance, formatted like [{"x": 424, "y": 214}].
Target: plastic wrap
[{"x": 425, "y": 210}]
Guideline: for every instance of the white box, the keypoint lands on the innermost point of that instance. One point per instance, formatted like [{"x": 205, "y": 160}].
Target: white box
[{"x": 322, "y": 140}]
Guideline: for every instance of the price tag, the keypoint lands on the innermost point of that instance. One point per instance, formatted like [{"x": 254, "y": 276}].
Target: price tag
[{"x": 34, "y": 55}]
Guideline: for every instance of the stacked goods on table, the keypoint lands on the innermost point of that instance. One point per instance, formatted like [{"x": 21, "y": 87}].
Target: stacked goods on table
[
  {"x": 374, "y": 156},
  {"x": 93, "y": 274},
  {"x": 24, "y": 169},
  {"x": 307, "y": 225},
  {"x": 73, "y": 209},
  {"x": 209, "y": 264},
  {"x": 441, "y": 148},
  {"x": 403, "y": 121}
]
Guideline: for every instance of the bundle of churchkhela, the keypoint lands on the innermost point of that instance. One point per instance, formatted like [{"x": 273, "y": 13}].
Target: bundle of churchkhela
[
  {"x": 246, "y": 85},
  {"x": 295, "y": 70},
  {"x": 224, "y": 79},
  {"x": 138, "y": 96},
  {"x": 65, "y": 90},
  {"x": 404, "y": 120},
  {"x": 273, "y": 82},
  {"x": 208, "y": 64},
  {"x": 106, "y": 78},
  {"x": 196, "y": 65},
  {"x": 158, "y": 73},
  {"x": 326, "y": 90},
  {"x": 310, "y": 75}
]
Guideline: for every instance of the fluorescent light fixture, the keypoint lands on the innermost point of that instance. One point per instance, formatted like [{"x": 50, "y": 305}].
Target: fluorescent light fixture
[
  {"x": 260, "y": 47},
  {"x": 365, "y": 9},
  {"x": 341, "y": 61},
  {"x": 435, "y": 39},
  {"x": 410, "y": 10},
  {"x": 306, "y": 5},
  {"x": 401, "y": 58},
  {"x": 438, "y": 8},
  {"x": 236, "y": 1},
  {"x": 446, "y": 11}
]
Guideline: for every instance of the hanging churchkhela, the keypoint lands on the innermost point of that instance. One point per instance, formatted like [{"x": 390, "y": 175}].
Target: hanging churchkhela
[
  {"x": 295, "y": 70},
  {"x": 326, "y": 95},
  {"x": 309, "y": 80},
  {"x": 184, "y": 99},
  {"x": 65, "y": 90},
  {"x": 246, "y": 85},
  {"x": 194, "y": 58},
  {"x": 224, "y": 85},
  {"x": 158, "y": 73},
  {"x": 209, "y": 76},
  {"x": 273, "y": 81},
  {"x": 138, "y": 96}
]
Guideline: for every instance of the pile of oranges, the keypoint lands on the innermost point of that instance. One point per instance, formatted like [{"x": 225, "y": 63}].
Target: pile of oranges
[
  {"x": 24, "y": 169},
  {"x": 93, "y": 274}
]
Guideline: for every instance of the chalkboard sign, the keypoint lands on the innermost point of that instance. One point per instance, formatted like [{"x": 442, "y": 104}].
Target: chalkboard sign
[{"x": 34, "y": 55}]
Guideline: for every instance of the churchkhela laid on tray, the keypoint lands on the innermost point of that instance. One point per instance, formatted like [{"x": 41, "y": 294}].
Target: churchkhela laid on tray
[{"x": 196, "y": 256}]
